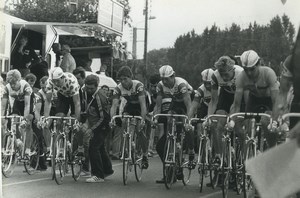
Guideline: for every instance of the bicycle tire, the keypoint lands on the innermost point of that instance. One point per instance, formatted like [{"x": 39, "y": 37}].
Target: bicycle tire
[
  {"x": 225, "y": 169},
  {"x": 169, "y": 169},
  {"x": 238, "y": 170},
  {"x": 59, "y": 163},
  {"x": 137, "y": 155},
  {"x": 75, "y": 161},
  {"x": 185, "y": 166},
  {"x": 9, "y": 160},
  {"x": 201, "y": 168},
  {"x": 248, "y": 185},
  {"x": 125, "y": 160},
  {"x": 32, "y": 163},
  {"x": 214, "y": 175}
]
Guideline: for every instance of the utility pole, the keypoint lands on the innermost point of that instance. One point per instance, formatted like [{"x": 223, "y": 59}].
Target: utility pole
[
  {"x": 146, "y": 36},
  {"x": 134, "y": 41}
]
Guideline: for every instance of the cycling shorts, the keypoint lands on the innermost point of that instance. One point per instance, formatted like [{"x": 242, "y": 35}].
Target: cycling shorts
[
  {"x": 64, "y": 104},
  {"x": 225, "y": 100},
  {"x": 258, "y": 104},
  {"x": 132, "y": 109},
  {"x": 202, "y": 110}
]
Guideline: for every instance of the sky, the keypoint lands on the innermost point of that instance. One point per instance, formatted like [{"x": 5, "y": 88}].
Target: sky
[{"x": 177, "y": 17}]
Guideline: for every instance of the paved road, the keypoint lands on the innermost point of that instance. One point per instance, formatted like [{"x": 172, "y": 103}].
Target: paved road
[{"x": 21, "y": 185}]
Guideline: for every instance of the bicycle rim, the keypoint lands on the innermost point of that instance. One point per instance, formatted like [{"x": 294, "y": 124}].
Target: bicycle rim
[
  {"x": 201, "y": 168},
  {"x": 225, "y": 170},
  {"x": 76, "y": 162},
  {"x": 59, "y": 163},
  {"x": 9, "y": 158},
  {"x": 32, "y": 163},
  {"x": 169, "y": 169},
  {"x": 137, "y": 155},
  {"x": 186, "y": 169},
  {"x": 125, "y": 160},
  {"x": 238, "y": 169},
  {"x": 248, "y": 185}
]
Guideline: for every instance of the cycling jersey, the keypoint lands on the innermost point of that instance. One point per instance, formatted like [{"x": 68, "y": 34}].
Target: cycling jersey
[
  {"x": 131, "y": 95},
  {"x": 228, "y": 86},
  {"x": 202, "y": 94},
  {"x": 172, "y": 98},
  {"x": 16, "y": 98},
  {"x": 69, "y": 88},
  {"x": 262, "y": 87}
]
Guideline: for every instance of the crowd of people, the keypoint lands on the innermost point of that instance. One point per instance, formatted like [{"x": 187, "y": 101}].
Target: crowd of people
[{"x": 226, "y": 88}]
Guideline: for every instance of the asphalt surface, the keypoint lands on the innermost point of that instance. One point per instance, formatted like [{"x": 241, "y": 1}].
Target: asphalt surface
[{"x": 40, "y": 185}]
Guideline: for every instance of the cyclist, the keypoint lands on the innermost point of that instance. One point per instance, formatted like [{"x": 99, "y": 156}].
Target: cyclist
[
  {"x": 67, "y": 88},
  {"x": 202, "y": 95},
  {"x": 223, "y": 78},
  {"x": 201, "y": 100},
  {"x": 134, "y": 93},
  {"x": 172, "y": 96},
  {"x": 17, "y": 94},
  {"x": 262, "y": 86}
]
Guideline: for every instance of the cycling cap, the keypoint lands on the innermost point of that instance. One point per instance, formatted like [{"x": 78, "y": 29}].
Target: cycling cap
[
  {"x": 249, "y": 58},
  {"x": 224, "y": 64},
  {"x": 166, "y": 71},
  {"x": 56, "y": 73},
  {"x": 206, "y": 74}
]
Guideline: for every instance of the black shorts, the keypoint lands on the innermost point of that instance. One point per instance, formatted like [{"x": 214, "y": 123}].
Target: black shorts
[
  {"x": 19, "y": 106},
  {"x": 202, "y": 111},
  {"x": 132, "y": 109},
  {"x": 258, "y": 104},
  {"x": 64, "y": 104},
  {"x": 225, "y": 100}
]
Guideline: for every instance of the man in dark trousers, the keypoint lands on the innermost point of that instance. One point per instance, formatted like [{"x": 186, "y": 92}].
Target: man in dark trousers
[{"x": 98, "y": 118}]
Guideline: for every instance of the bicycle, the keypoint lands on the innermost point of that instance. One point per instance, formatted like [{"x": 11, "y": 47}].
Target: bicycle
[
  {"x": 13, "y": 154},
  {"x": 64, "y": 152},
  {"x": 204, "y": 152},
  {"x": 131, "y": 150},
  {"x": 176, "y": 156},
  {"x": 254, "y": 143}
]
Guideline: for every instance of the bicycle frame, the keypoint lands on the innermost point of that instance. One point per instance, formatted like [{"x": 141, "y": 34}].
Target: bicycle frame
[
  {"x": 127, "y": 133},
  {"x": 172, "y": 135}
]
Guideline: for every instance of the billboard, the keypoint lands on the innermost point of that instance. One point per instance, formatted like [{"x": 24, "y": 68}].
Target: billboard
[{"x": 111, "y": 14}]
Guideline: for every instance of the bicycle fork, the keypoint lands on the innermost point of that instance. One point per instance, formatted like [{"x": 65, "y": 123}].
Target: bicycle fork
[{"x": 172, "y": 137}]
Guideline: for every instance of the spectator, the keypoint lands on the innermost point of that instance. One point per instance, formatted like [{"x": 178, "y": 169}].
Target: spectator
[
  {"x": 98, "y": 119},
  {"x": 79, "y": 73},
  {"x": 68, "y": 63},
  {"x": 31, "y": 79},
  {"x": 39, "y": 70},
  {"x": 56, "y": 48},
  {"x": 23, "y": 56}
]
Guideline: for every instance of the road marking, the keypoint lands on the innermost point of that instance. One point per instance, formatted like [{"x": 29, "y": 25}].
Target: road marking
[
  {"x": 28, "y": 181},
  {"x": 211, "y": 194}
]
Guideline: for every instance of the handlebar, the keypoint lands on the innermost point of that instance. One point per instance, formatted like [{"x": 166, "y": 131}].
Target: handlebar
[
  {"x": 76, "y": 122},
  {"x": 196, "y": 120},
  {"x": 248, "y": 115},
  {"x": 21, "y": 118},
  {"x": 287, "y": 115},
  {"x": 126, "y": 117},
  {"x": 171, "y": 116}
]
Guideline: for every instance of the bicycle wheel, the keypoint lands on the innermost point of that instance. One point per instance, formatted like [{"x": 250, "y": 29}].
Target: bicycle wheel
[
  {"x": 126, "y": 163},
  {"x": 185, "y": 166},
  {"x": 75, "y": 161},
  {"x": 248, "y": 185},
  {"x": 137, "y": 155},
  {"x": 238, "y": 170},
  {"x": 9, "y": 157},
  {"x": 201, "y": 168},
  {"x": 225, "y": 169},
  {"x": 59, "y": 160},
  {"x": 169, "y": 168},
  {"x": 214, "y": 174},
  {"x": 32, "y": 162}
]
